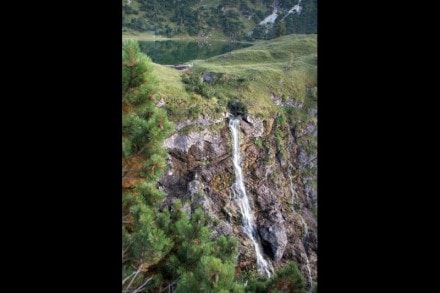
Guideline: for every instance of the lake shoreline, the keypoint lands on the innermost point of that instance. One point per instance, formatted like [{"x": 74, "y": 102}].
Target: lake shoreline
[
  {"x": 178, "y": 51},
  {"x": 152, "y": 37}
]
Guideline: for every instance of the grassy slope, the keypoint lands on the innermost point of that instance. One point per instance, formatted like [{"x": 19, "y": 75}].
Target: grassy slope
[
  {"x": 179, "y": 102},
  {"x": 284, "y": 67}
]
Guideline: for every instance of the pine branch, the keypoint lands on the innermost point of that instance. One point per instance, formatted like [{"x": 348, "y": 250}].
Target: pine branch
[
  {"x": 142, "y": 149},
  {"x": 169, "y": 285},
  {"x": 131, "y": 89},
  {"x": 139, "y": 288},
  {"x": 125, "y": 250},
  {"x": 137, "y": 272},
  {"x": 125, "y": 280}
]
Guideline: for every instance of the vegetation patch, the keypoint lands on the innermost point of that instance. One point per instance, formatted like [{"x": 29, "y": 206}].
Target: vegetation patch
[{"x": 283, "y": 67}]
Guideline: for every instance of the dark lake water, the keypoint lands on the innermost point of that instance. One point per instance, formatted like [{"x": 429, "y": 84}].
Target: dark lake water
[{"x": 177, "y": 52}]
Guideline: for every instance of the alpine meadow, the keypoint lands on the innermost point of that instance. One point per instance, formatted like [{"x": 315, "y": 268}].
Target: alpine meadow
[{"x": 219, "y": 146}]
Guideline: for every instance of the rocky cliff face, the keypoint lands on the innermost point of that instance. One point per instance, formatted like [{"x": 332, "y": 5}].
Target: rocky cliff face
[{"x": 281, "y": 188}]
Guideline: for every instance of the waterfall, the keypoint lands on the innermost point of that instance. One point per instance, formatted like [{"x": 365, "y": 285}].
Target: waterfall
[
  {"x": 306, "y": 232},
  {"x": 295, "y": 9},
  {"x": 306, "y": 228},
  {"x": 239, "y": 191},
  {"x": 271, "y": 18}
]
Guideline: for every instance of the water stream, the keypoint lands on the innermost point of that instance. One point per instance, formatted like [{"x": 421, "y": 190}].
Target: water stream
[
  {"x": 271, "y": 18},
  {"x": 239, "y": 190},
  {"x": 295, "y": 9}
]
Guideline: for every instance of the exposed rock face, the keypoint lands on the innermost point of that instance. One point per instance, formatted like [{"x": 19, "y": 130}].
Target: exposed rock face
[
  {"x": 209, "y": 77},
  {"x": 224, "y": 228},
  {"x": 289, "y": 102},
  {"x": 206, "y": 144},
  {"x": 200, "y": 169},
  {"x": 195, "y": 187},
  {"x": 254, "y": 128},
  {"x": 202, "y": 121},
  {"x": 273, "y": 234}
]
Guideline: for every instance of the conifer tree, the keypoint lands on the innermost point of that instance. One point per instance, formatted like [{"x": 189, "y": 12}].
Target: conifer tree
[
  {"x": 280, "y": 29},
  {"x": 144, "y": 127},
  {"x": 162, "y": 247},
  {"x": 198, "y": 263},
  {"x": 287, "y": 279}
]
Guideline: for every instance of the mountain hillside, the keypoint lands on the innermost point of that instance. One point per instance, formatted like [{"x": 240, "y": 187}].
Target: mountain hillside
[
  {"x": 269, "y": 90},
  {"x": 230, "y": 19}
]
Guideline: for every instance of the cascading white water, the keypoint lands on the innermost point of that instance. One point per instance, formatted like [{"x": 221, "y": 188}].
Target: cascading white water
[
  {"x": 239, "y": 191},
  {"x": 271, "y": 18},
  {"x": 310, "y": 273},
  {"x": 306, "y": 232},
  {"x": 306, "y": 228},
  {"x": 295, "y": 9}
]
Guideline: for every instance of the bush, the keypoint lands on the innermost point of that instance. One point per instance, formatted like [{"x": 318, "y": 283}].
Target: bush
[
  {"x": 258, "y": 142},
  {"x": 237, "y": 108},
  {"x": 288, "y": 279},
  {"x": 194, "y": 112}
]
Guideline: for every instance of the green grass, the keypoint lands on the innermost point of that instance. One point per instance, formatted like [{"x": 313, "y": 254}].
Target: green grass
[
  {"x": 283, "y": 67},
  {"x": 180, "y": 104},
  {"x": 143, "y": 36},
  {"x": 258, "y": 142}
]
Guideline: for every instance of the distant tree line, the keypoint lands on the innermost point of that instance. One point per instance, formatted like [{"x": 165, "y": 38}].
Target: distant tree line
[{"x": 231, "y": 17}]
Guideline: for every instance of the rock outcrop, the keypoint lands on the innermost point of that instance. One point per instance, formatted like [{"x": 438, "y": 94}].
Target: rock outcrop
[{"x": 200, "y": 169}]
